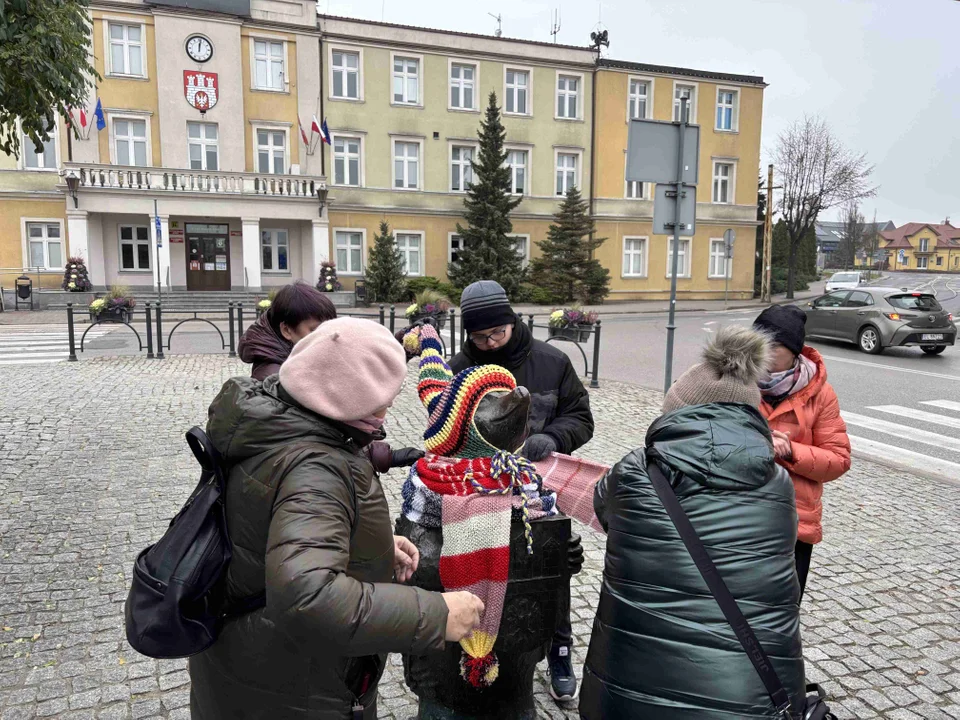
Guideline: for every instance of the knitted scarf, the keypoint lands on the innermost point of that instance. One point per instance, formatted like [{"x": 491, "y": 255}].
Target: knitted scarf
[{"x": 778, "y": 386}]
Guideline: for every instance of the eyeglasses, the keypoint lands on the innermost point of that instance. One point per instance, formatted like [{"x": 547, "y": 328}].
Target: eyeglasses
[{"x": 495, "y": 336}]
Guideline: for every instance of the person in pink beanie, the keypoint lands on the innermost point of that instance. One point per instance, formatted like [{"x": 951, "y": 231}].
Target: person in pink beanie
[{"x": 313, "y": 547}]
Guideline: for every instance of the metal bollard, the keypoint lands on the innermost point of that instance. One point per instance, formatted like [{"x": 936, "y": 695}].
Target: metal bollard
[
  {"x": 70, "y": 336},
  {"x": 149, "y": 316},
  {"x": 383, "y": 314},
  {"x": 159, "y": 332},
  {"x": 233, "y": 339},
  {"x": 530, "y": 322},
  {"x": 453, "y": 332},
  {"x": 594, "y": 381},
  {"x": 240, "y": 320},
  {"x": 393, "y": 318}
]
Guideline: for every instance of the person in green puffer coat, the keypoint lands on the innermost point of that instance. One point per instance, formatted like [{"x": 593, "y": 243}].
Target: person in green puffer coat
[{"x": 661, "y": 648}]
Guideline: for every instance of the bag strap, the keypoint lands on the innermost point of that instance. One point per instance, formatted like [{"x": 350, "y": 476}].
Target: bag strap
[{"x": 726, "y": 601}]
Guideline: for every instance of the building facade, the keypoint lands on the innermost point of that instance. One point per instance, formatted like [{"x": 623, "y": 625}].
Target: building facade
[{"x": 927, "y": 247}]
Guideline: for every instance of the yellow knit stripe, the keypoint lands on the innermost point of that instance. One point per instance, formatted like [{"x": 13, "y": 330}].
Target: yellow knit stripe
[{"x": 479, "y": 644}]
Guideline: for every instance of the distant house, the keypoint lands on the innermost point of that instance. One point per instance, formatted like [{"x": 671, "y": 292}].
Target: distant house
[
  {"x": 922, "y": 246},
  {"x": 830, "y": 235}
]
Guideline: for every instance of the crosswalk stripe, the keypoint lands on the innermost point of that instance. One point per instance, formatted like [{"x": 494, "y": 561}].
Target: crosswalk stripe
[
  {"x": 61, "y": 353},
  {"x": 34, "y": 361},
  {"x": 918, "y": 415},
  {"x": 834, "y": 358},
  {"x": 945, "y": 404},
  {"x": 902, "y": 431},
  {"x": 905, "y": 459}
]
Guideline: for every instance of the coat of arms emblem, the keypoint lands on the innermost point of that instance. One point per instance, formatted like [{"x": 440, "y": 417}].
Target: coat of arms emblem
[{"x": 200, "y": 89}]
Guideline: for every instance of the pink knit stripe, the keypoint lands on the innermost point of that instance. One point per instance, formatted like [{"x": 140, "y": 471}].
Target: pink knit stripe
[{"x": 492, "y": 595}]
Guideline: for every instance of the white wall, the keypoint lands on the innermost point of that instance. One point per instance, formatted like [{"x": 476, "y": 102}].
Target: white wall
[{"x": 111, "y": 251}]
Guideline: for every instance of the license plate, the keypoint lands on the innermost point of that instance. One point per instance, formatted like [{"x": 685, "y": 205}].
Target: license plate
[{"x": 937, "y": 336}]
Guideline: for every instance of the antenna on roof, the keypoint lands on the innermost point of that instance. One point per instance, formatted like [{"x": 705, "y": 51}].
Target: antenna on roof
[
  {"x": 555, "y": 23},
  {"x": 499, "y": 20}
]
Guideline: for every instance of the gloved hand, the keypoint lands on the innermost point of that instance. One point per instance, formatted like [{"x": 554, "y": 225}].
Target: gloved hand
[
  {"x": 405, "y": 457},
  {"x": 538, "y": 447},
  {"x": 575, "y": 554}
]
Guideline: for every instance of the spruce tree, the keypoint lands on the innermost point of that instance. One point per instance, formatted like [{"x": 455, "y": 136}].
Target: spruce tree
[
  {"x": 486, "y": 252},
  {"x": 385, "y": 272},
  {"x": 566, "y": 267}
]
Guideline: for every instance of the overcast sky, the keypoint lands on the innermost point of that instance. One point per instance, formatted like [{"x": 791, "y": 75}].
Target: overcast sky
[{"x": 885, "y": 75}]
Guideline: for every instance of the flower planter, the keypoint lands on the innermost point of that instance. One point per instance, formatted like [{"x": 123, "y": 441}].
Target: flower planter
[
  {"x": 585, "y": 332},
  {"x": 120, "y": 315},
  {"x": 439, "y": 319},
  {"x": 571, "y": 333}
]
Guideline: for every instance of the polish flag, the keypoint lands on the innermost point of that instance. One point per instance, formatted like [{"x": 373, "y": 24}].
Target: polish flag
[{"x": 303, "y": 134}]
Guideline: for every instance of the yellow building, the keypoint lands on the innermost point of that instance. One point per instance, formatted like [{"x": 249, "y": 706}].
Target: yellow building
[{"x": 927, "y": 247}]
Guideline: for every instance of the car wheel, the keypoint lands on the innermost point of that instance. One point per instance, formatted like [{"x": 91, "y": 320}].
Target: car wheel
[
  {"x": 869, "y": 340},
  {"x": 934, "y": 349}
]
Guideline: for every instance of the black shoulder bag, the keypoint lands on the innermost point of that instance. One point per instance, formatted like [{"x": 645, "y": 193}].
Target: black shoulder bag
[{"x": 815, "y": 707}]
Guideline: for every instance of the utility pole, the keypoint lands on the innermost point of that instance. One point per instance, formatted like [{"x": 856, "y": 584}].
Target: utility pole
[
  {"x": 675, "y": 260},
  {"x": 765, "y": 290},
  {"x": 159, "y": 238}
]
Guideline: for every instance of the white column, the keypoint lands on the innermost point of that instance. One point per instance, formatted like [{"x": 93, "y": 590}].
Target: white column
[
  {"x": 251, "y": 252},
  {"x": 320, "y": 250},
  {"x": 77, "y": 236},
  {"x": 96, "y": 261},
  {"x": 160, "y": 256}
]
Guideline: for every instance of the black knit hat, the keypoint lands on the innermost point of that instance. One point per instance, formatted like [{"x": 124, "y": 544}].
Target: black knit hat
[
  {"x": 484, "y": 305},
  {"x": 784, "y": 324}
]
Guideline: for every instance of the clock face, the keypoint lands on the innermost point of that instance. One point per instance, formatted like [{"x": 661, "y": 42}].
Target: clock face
[{"x": 199, "y": 48}]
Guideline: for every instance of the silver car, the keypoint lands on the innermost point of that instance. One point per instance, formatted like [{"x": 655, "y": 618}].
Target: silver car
[{"x": 878, "y": 318}]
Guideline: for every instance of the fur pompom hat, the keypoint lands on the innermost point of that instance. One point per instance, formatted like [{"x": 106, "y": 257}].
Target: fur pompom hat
[{"x": 734, "y": 360}]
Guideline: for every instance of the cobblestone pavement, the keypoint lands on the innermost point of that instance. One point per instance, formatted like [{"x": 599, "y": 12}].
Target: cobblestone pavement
[{"x": 93, "y": 464}]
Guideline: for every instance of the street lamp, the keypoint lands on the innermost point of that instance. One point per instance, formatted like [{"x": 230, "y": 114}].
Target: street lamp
[
  {"x": 73, "y": 183},
  {"x": 322, "y": 197}
]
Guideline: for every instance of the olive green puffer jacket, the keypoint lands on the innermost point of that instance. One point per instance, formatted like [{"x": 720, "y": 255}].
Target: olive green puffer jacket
[
  {"x": 661, "y": 648},
  {"x": 310, "y": 526}
]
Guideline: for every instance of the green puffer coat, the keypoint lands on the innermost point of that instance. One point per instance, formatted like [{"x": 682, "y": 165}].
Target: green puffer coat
[
  {"x": 310, "y": 525},
  {"x": 661, "y": 648}
]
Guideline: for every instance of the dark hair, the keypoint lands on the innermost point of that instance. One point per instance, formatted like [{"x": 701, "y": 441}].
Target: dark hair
[{"x": 298, "y": 302}]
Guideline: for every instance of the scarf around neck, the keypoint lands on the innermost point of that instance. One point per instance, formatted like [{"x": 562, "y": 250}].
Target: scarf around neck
[{"x": 776, "y": 387}]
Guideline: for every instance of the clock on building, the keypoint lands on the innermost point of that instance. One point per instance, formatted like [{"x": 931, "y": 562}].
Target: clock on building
[{"x": 199, "y": 48}]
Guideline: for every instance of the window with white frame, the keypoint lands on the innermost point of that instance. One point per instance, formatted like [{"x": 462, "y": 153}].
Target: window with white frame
[
  {"x": 690, "y": 93},
  {"x": 271, "y": 151},
  {"x": 517, "y": 162},
  {"x": 135, "y": 248},
  {"x": 568, "y": 93},
  {"x": 634, "y": 257},
  {"x": 454, "y": 244},
  {"x": 346, "y": 161},
  {"x": 723, "y": 182},
  {"x": 566, "y": 172},
  {"x": 639, "y": 98},
  {"x": 204, "y": 146},
  {"x": 727, "y": 101},
  {"x": 268, "y": 57},
  {"x": 518, "y": 91},
  {"x": 346, "y": 75},
  {"x": 683, "y": 258},
  {"x": 410, "y": 246},
  {"x": 406, "y": 80},
  {"x": 718, "y": 258},
  {"x": 349, "y": 244},
  {"x": 130, "y": 141},
  {"x": 921, "y": 263},
  {"x": 924, "y": 244},
  {"x": 126, "y": 49},
  {"x": 44, "y": 245},
  {"x": 33, "y": 160},
  {"x": 634, "y": 190},
  {"x": 274, "y": 251},
  {"x": 461, "y": 167},
  {"x": 406, "y": 165},
  {"x": 521, "y": 246},
  {"x": 462, "y": 86}
]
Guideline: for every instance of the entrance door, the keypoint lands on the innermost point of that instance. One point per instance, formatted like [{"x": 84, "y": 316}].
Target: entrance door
[{"x": 208, "y": 257}]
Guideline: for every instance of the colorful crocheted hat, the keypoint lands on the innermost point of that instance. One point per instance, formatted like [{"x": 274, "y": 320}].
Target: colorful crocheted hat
[{"x": 452, "y": 400}]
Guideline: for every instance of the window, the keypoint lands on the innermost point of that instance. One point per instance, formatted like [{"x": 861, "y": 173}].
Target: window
[
  {"x": 834, "y": 299},
  {"x": 203, "y": 146},
  {"x": 271, "y": 151},
  {"x": 518, "y": 91},
  {"x": 917, "y": 301},
  {"x": 683, "y": 259},
  {"x": 859, "y": 298},
  {"x": 939, "y": 261},
  {"x": 921, "y": 263},
  {"x": 130, "y": 141},
  {"x": 568, "y": 90},
  {"x": 44, "y": 245},
  {"x": 634, "y": 190},
  {"x": 718, "y": 259},
  {"x": 268, "y": 58},
  {"x": 521, "y": 246},
  {"x": 274, "y": 251},
  {"x": 727, "y": 101},
  {"x": 461, "y": 167},
  {"x": 410, "y": 246},
  {"x": 135, "y": 248},
  {"x": 126, "y": 49},
  {"x": 639, "y": 100},
  {"x": 723, "y": 182},
  {"x": 924, "y": 244},
  {"x": 406, "y": 165},
  {"x": 566, "y": 172},
  {"x": 453, "y": 247},
  {"x": 634, "y": 257},
  {"x": 690, "y": 93},
  {"x": 517, "y": 162},
  {"x": 406, "y": 81},
  {"x": 346, "y": 161},
  {"x": 349, "y": 251},
  {"x": 462, "y": 86},
  {"x": 346, "y": 75},
  {"x": 33, "y": 160}
]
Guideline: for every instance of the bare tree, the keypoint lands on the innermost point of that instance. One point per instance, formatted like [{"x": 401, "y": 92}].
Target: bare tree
[
  {"x": 817, "y": 173},
  {"x": 871, "y": 242},
  {"x": 854, "y": 227}
]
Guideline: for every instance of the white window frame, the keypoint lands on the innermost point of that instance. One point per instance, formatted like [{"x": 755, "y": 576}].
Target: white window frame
[
  {"x": 732, "y": 181},
  {"x": 923, "y": 245},
  {"x": 271, "y": 127},
  {"x": 728, "y": 265},
  {"x": 735, "y": 114},
  {"x": 404, "y": 251},
  {"x": 687, "y": 257},
  {"x": 645, "y": 188},
  {"x": 26, "y": 146},
  {"x": 648, "y": 109},
  {"x": 579, "y": 95},
  {"x": 407, "y": 56},
  {"x": 476, "y": 84},
  {"x": 577, "y": 172},
  {"x": 644, "y": 254},
  {"x": 528, "y": 169},
  {"x": 135, "y": 243},
  {"x": 450, "y": 162},
  {"x": 354, "y": 50},
  {"x": 25, "y": 239},
  {"x": 334, "y": 136},
  {"x": 393, "y": 154},
  {"x": 274, "y": 250},
  {"x": 526, "y": 246},
  {"x": 284, "y": 69},
  {"x": 529, "y": 72},
  {"x": 108, "y": 52},
  {"x": 692, "y": 105},
  {"x": 922, "y": 263},
  {"x": 363, "y": 250},
  {"x": 203, "y": 143},
  {"x": 450, "y": 236},
  {"x": 129, "y": 116}
]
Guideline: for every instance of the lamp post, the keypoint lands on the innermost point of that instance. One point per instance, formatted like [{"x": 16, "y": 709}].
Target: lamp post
[
  {"x": 73, "y": 184},
  {"x": 322, "y": 197}
]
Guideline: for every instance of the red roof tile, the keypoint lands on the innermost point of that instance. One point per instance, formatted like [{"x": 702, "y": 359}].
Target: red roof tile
[{"x": 947, "y": 235}]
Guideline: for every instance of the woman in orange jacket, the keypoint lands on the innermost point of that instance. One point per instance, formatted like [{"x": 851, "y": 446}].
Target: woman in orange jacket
[{"x": 809, "y": 436}]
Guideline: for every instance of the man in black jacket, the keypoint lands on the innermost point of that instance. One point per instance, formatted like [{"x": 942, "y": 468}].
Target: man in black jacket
[{"x": 560, "y": 417}]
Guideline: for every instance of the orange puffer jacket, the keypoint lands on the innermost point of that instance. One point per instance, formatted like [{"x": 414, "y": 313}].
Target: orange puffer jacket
[{"x": 821, "y": 448}]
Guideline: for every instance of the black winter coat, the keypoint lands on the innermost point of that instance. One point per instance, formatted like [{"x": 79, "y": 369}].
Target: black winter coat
[
  {"x": 661, "y": 648},
  {"x": 561, "y": 405}
]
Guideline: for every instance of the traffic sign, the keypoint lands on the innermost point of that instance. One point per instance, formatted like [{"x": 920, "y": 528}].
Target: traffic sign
[
  {"x": 665, "y": 208},
  {"x": 652, "y": 148},
  {"x": 159, "y": 232}
]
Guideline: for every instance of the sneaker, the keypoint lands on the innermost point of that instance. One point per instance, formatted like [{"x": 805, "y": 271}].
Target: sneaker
[{"x": 563, "y": 683}]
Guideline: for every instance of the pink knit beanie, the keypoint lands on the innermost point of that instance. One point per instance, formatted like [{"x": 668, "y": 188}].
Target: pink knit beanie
[{"x": 346, "y": 369}]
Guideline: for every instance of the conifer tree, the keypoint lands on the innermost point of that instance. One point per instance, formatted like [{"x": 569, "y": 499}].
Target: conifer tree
[{"x": 385, "y": 272}]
